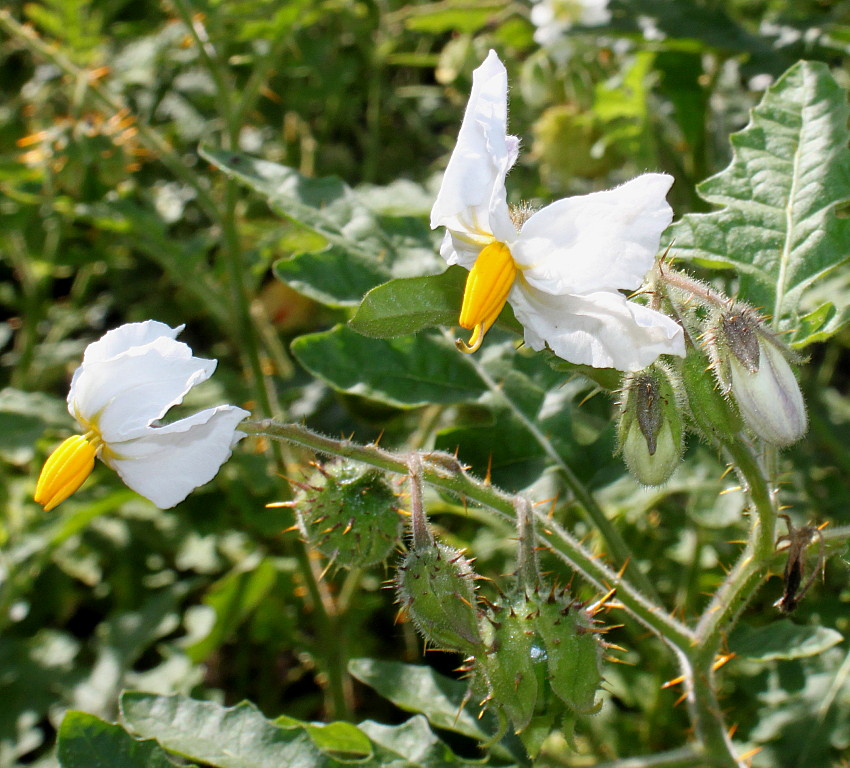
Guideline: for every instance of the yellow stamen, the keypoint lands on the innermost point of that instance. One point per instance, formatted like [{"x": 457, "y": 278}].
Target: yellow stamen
[
  {"x": 66, "y": 469},
  {"x": 487, "y": 288}
]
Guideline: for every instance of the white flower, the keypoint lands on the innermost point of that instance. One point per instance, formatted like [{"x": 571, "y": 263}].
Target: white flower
[
  {"x": 128, "y": 380},
  {"x": 562, "y": 270}
]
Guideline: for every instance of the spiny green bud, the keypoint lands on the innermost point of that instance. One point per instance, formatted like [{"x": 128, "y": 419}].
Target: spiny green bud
[
  {"x": 510, "y": 668},
  {"x": 436, "y": 586},
  {"x": 712, "y": 413},
  {"x": 349, "y": 513},
  {"x": 752, "y": 364},
  {"x": 650, "y": 429},
  {"x": 572, "y": 649}
]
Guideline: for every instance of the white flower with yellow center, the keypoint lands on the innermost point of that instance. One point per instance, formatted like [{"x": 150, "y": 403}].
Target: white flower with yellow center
[
  {"x": 562, "y": 269},
  {"x": 128, "y": 380}
]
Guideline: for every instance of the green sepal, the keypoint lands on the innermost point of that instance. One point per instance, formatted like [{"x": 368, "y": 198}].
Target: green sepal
[
  {"x": 435, "y": 584},
  {"x": 349, "y": 513}
]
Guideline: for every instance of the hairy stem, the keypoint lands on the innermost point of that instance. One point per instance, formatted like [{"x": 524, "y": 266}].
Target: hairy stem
[{"x": 444, "y": 471}]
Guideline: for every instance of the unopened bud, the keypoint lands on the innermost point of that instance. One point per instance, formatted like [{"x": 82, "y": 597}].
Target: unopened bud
[
  {"x": 650, "y": 431},
  {"x": 755, "y": 369}
]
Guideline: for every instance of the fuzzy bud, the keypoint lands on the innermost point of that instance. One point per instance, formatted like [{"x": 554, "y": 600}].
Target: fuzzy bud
[
  {"x": 650, "y": 429},
  {"x": 436, "y": 585},
  {"x": 753, "y": 365}
]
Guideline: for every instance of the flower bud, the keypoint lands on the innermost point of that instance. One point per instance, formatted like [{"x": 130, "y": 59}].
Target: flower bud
[
  {"x": 650, "y": 431},
  {"x": 573, "y": 650},
  {"x": 510, "y": 674},
  {"x": 755, "y": 369}
]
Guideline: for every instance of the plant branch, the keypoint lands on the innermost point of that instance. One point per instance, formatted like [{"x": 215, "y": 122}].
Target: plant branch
[
  {"x": 684, "y": 757},
  {"x": 444, "y": 471},
  {"x": 617, "y": 547}
]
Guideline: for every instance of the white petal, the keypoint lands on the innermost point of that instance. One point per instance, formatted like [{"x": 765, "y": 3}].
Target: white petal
[
  {"x": 126, "y": 337},
  {"x": 167, "y": 463},
  {"x": 601, "y": 329},
  {"x": 472, "y": 198},
  {"x": 457, "y": 249},
  {"x": 601, "y": 241},
  {"x": 122, "y": 395}
]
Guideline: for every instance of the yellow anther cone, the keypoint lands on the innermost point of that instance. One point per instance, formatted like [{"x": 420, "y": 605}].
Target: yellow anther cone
[
  {"x": 487, "y": 288},
  {"x": 65, "y": 471}
]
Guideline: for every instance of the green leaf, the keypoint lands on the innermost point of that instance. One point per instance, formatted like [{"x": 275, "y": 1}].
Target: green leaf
[
  {"x": 86, "y": 741},
  {"x": 334, "y": 277},
  {"x": 226, "y": 737},
  {"x": 341, "y": 740},
  {"x": 778, "y": 226},
  {"x": 414, "y": 744},
  {"x": 463, "y": 16},
  {"x": 422, "y": 690},
  {"x": 782, "y": 640},
  {"x": 365, "y": 247},
  {"x": 405, "y": 372},
  {"x": 408, "y": 305}
]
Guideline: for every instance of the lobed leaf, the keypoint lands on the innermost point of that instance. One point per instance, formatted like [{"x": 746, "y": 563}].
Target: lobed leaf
[
  {"x": 421, "y": 689},
  {"x": 778, "y": 225},
  {"x": 240, "y": 737}
]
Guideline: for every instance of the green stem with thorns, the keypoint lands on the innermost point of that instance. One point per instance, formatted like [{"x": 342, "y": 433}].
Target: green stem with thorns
[
  {"x": 617, "y": 546},
  {"x": 444, "y": 471}
]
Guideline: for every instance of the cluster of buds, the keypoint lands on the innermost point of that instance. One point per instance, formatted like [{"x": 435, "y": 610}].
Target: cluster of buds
[
  {"x": 520, "y": 649},
  {"x": 538, "y": 642},
  {"x": 751, "y": 383}
]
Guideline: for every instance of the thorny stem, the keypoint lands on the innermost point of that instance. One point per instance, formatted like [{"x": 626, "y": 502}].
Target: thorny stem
[
  {"x": 618, "y": 548},
  {"x": 444, "y": 471},
  {"x": 528, "y": 566},
  {"x": 752, "y": 566},
  {"x": 729, "y": 600},
  {"x": 422, "y": 537}
]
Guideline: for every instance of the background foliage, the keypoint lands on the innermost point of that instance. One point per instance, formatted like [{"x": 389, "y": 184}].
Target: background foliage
[{"x": 142, "y": 154}]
